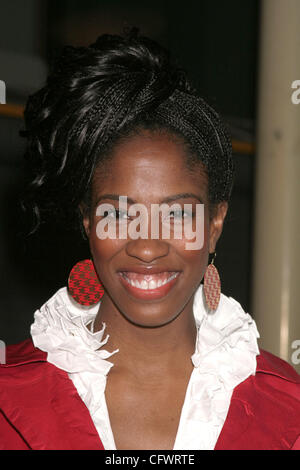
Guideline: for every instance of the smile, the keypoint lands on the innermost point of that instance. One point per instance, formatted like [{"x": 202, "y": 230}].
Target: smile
[
  {"x": 148, "y": 286},
  {"x": 146, "y": 282}
]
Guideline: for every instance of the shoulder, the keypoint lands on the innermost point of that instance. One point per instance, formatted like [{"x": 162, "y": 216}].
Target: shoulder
[
  {"x": 269, "y": 364},
  {"x": 264, "y": 412},
  {"x": 24, "y": 364},
  {"x": 39, "y": 405},
  {"x": 22, "y": 353},
  {"x": 274, "y": 380},
  {"x": 274, "y": 390}
]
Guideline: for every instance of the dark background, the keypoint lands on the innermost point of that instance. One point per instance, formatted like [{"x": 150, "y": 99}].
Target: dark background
[{"x": 215, "y": 41}]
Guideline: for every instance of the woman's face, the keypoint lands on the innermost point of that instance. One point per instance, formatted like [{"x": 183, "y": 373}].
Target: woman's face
[{"x": 151, "y": 280}]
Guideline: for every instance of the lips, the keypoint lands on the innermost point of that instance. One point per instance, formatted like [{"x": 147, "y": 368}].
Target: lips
[
  {"x": 147, "y": 285},
  {"x": 149, "y": 281}
]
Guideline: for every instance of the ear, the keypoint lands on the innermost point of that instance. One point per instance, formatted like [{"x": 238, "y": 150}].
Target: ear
[
  {"x": 216, "y": 225},
  {"x": 85, "y": 218}
]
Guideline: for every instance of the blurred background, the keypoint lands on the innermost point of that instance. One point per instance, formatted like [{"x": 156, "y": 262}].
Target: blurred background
[{"x": 242, "y": 57}]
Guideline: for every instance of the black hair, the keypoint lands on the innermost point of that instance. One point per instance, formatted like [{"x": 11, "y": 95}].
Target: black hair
[{"x": 97, "y": 94}]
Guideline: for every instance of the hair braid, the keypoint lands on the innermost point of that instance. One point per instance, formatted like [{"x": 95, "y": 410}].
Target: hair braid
[{"x": 95, "y": 95}]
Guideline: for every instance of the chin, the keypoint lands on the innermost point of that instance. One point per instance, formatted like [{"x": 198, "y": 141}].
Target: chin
[
  {"x": 151, "y": 321},
  {"x": 150, "y": 314}
]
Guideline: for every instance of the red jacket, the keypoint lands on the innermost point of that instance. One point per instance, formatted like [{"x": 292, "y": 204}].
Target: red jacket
[{"x": 41, "y": 409}]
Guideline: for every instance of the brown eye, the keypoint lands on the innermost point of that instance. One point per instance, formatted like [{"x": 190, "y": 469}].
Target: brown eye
[
  {"x": 116, "y": 214},
  {"x": 180, "y": 214}
]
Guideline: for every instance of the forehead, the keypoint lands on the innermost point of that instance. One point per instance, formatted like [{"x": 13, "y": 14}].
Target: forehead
[{"x": 149, "y": 165}]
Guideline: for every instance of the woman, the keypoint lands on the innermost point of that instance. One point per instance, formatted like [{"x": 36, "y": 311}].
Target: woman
[{"x": 163, "y": 361}]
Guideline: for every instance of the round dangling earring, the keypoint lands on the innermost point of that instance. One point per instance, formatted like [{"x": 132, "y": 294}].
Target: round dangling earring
[
  {"x": 84, "y": 285},
  {"x": 212, "y": 285}
]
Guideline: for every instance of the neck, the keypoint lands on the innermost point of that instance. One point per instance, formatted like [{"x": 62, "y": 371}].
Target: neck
[{"x": 159, "y": 349}]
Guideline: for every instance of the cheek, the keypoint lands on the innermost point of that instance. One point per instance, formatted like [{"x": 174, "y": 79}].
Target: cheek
[
  {"x": 195, "y": 259},
  {"x": 103, "y": 250}
]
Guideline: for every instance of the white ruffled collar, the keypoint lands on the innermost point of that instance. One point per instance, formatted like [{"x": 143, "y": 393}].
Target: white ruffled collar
[
  {"x": 225, "y": 355},
  {"x": 60, "y": 328}
]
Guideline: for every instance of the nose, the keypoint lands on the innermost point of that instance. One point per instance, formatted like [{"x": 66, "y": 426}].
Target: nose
[{"x": 147, "y": 250}]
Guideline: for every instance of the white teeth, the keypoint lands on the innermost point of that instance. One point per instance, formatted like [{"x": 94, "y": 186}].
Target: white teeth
[
  {"x": 144, "y": 285},
  {"x": 151, "y": 284}
]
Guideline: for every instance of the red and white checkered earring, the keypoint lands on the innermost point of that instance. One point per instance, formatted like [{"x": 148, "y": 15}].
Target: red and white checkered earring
[
  {"x": 84, "y": 285},
  {"x": 212, "y": 285}
]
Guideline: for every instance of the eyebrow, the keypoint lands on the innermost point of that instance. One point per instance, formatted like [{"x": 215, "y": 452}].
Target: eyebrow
[{"x": 115, "y": 197}]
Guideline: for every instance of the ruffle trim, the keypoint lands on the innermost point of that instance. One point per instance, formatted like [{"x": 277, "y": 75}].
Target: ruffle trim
[
  {"x": 61, "y": 329},
  {"x": 225, "y": 355}
]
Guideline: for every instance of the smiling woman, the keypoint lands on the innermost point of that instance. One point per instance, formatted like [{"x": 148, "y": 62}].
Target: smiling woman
[{"x": 119, "y": 121}]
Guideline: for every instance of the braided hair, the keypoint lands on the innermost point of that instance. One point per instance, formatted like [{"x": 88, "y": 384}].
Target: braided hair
[{"x": 98, "y": 94}]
